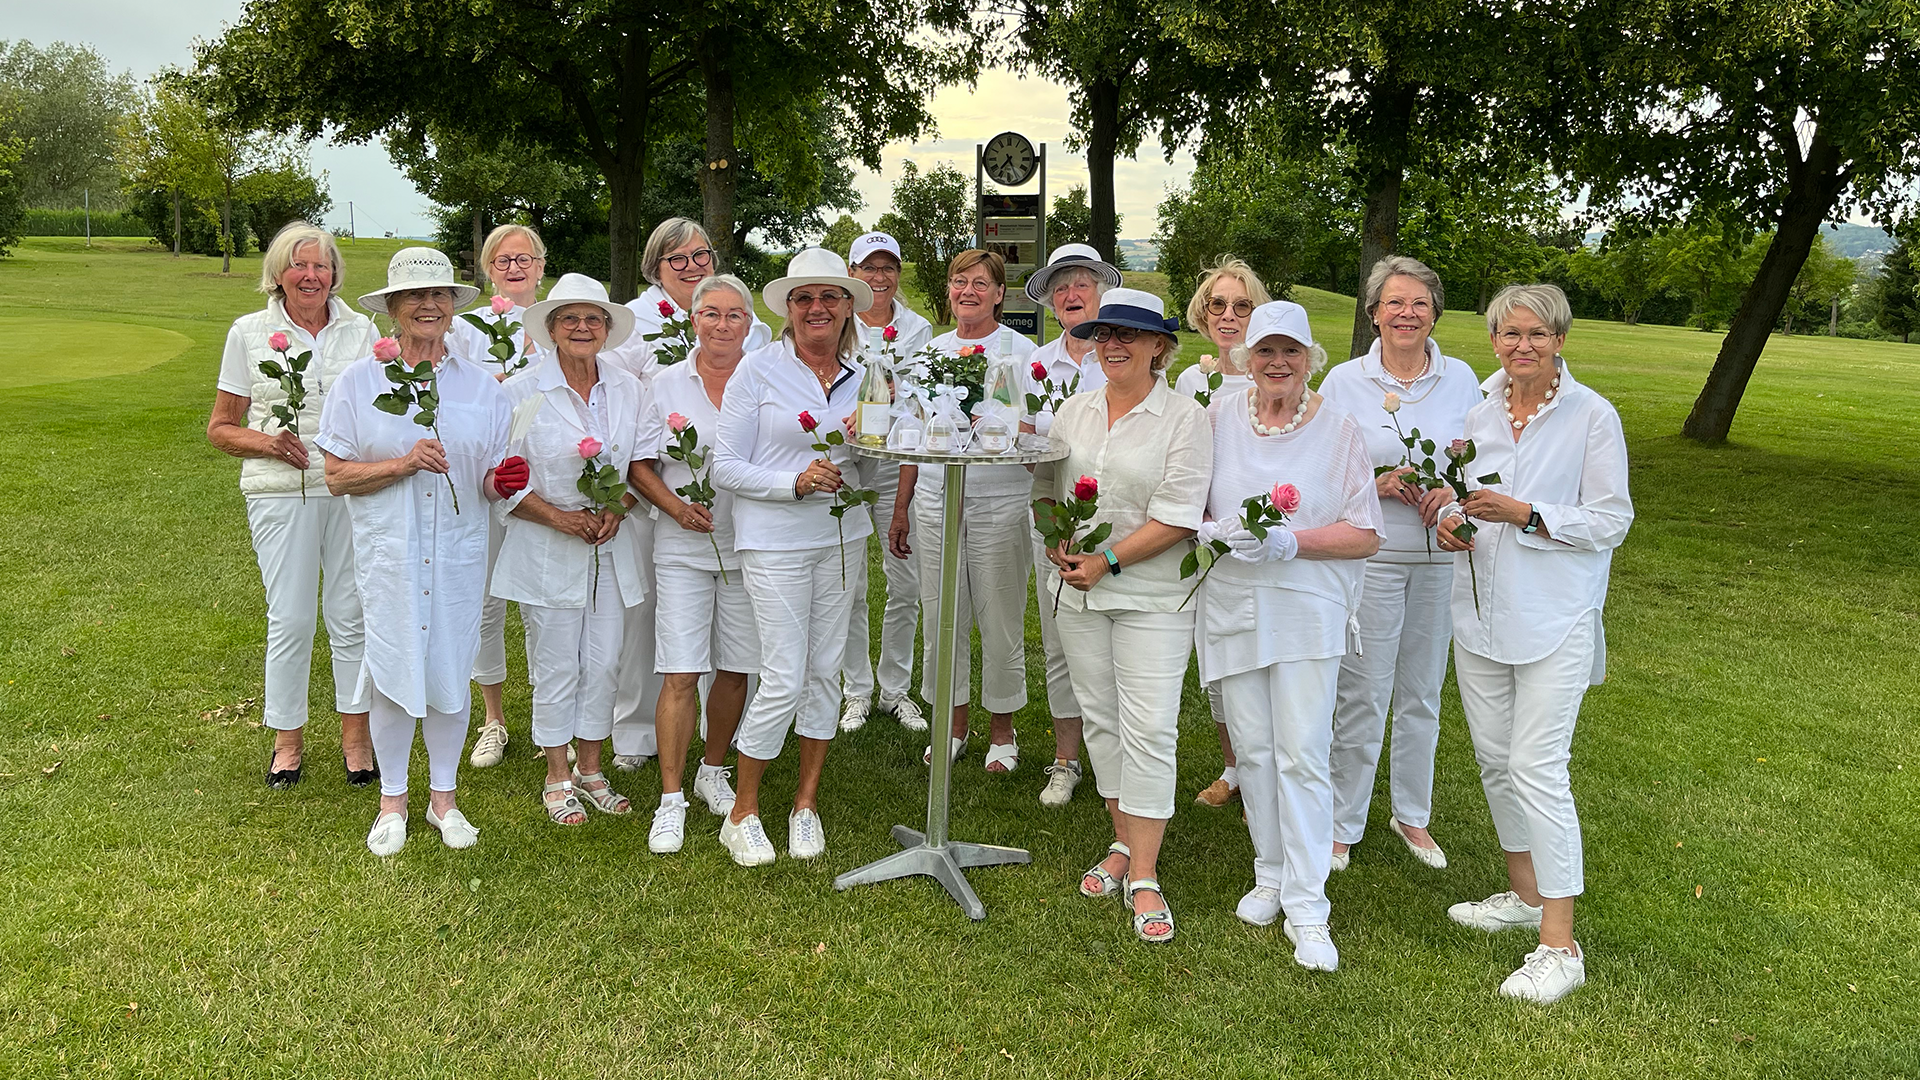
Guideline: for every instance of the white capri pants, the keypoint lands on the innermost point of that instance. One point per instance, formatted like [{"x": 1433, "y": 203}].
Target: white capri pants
[
  {"x": 1128, "y": 667},
  {"x": 571, "y": 653},
  {"x": 490, "y": 664},
  {"x": 1521, "y": 717},
  {"x": 305, "y": 549},
  {"x": 444, "y": 733},
  {"x": 1060, "y": 700},
  {"x": 994, "y": 553},
  {"x": 1406, "y": 621},
  {"x": 801, "y": 605},
  {"x": 901, "y": 616},
  {"x": 1281, "y": 720},
  {"x": 639, "y": 686},
  {"x": 704, "y": 623}
]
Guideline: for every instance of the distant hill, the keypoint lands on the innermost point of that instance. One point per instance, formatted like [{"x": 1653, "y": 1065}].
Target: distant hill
[
  {"x": 1864, "y": 242},
  {"x": 1140, "y": 254}
]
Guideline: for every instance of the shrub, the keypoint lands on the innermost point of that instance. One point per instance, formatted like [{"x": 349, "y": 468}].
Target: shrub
[{"x": 74, "y": 223}]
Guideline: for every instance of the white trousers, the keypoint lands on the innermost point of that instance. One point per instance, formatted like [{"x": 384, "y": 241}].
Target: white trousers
[
  {"x": 490, "y": 666},
  {"x": 1128, "y": 668},
  {"x": 444, "y": 733},
  {"x": 1521, "y": 717},
  {"x": 571, "y": 656},
  {"x": 901, "y": 615},
  {"x": 1406, "y": 621},
  {"x": 305, "y": 549},
  {"x": 994, "y": 556},
  {"x": 801, "y": 605},
  {"x": 1060, "y": 700},
  {"x": 639, "y": 686},
  {"x": 1281, "y": 721}
]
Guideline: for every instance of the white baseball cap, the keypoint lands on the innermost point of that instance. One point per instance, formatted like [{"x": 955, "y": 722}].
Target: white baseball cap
[
  {"x": 868, "y": 243},
  {"x": 1279, "y": 318}
]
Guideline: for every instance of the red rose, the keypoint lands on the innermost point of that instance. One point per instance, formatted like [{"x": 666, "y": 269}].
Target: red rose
[
  {"x": 1039, "y": 371},
  {"x": 889, "y": 334},
  {"x": 807, "y": 422},
  {"x": 1086, "y": 489},
  {"x": 666, "y": 309}
]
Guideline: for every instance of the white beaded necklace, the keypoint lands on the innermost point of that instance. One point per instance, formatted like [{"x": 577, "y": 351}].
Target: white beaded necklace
[
  {"x": 1555, "y": 385},
  {"x": 1253, "y": 414}
]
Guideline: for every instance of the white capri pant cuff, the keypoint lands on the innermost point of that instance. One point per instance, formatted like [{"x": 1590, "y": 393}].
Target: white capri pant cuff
[
  {"x": 639, "y": 688},
  {"x": 305, "y": 552},
  {"x": 703, "y": 622},
  {"x": 900, "y": 615},
  {"x": 801, "y": 604},
  {"x": 1128, "y": 668}
]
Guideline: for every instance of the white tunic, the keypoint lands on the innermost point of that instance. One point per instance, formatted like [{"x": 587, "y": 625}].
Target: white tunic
[
  {"x": 421, "y": 567},
  {"x": 1255, "y": 615},
  {"x": 986, "y": 479},
  {"x": 636, "y": 353},
  {"x": 680, "y": 389},
  {"x": 540, "y": 564}
]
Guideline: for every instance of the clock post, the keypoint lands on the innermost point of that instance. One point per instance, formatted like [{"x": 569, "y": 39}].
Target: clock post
[{"x": 1011, "y": 224}]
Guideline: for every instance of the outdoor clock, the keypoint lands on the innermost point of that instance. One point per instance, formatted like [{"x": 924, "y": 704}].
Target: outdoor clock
[{"x": 1009, "y": 159}]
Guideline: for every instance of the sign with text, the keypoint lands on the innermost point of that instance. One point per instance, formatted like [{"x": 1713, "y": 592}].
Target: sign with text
[
  {"x": 1022, "y": 322},
  {"x": 1023, "y": 230},
  {"x": 1000, "y": 204}
]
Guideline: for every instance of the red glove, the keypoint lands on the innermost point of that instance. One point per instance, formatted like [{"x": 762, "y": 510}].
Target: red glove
[{"x": 510, "y": 476}]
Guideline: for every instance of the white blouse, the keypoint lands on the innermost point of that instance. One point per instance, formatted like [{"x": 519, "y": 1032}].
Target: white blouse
[
  {"x": 1255, "y": 615},
  {"x": 636, "y": 353},
  {"x": 1436, "y": 403},
  {"x": 1153, "y": 463},
  {"x": 471, "y": 343},
  {"x": 680, "y": 389},
  {"x": 1061, "y": 369},
  {"x": 760, "y": 450},
  {"x": 1192, "y": 381},
  {"x": 421, "y": 566},
  {"x": 912, "y": 331},
  {"x": 1571, "y": 464},
  {"x": 984, "y": 480}
]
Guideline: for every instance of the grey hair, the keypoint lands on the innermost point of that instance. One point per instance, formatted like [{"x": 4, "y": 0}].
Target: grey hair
[
  {"x": 499, "y": 236},
  {"x": 716, "y": 282},
  {"x": 669, "y": 234},
  {"x": 1394, "y": 266},
  {"x": 1243, "y": 355},
  {"x": 292, "y": 237},
  {"x": 1547, "y": 303},
  {"x": 1067, "y": 275}
]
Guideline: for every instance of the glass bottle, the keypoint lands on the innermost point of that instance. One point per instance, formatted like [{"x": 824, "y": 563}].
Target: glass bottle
[{"x": 876, "y": 394}]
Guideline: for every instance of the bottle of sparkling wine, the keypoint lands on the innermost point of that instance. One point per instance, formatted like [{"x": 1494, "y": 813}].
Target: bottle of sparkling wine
[{"x": 876, "y": 394}]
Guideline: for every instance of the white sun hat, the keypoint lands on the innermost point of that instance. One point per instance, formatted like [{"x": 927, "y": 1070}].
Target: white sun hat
[
  {"x": 816, "y": 266},
  {"x": 578, "y": 289},
  {"x": 1282, "y": 318},
  {"x": 1065, "y": 257},
  {"x": 418, "y": 268}
]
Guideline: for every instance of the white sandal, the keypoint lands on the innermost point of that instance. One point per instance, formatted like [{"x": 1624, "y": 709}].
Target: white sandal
[
  {"x": 1108, "y": 885},
  {"x": 560, "y": 811},
  {"x": 1007, "y": 754},
  {"x": 959, "y": 751},
  {"x": 606, "y": 800}
]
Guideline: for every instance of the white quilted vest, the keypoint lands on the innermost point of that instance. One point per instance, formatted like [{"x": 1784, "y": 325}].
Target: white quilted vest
[{"x": 349, "y": 338}]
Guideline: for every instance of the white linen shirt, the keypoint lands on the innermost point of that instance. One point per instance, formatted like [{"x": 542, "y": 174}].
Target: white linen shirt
[
  {"x": 636, "y": 353},
  {"x": 1436, "y": 403},
  {"x": 421, "y": 567},
  {"x": 986, "y": 479},
  {"x": 760, "y": 450},
  {"x": 1255, "y": 615},
  {"x": 681, "y": 389},
  {"x": 539, "y": 564},
  {"x": 1571, "y": 464},
  {"x": 1061, "y": 369},
  {"x": 471, "y": 343},
  {"x": 1153, "y": 463}
]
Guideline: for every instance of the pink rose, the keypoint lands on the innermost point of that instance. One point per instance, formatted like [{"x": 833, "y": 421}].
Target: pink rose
[
  {"x": 807, "y": 422},
  {"x": 1086, "y": 489},
  {"x": 1039, "y": 371},
  {"x": 1456, "y": 448},
  {"x": 676, "y": 422},
  {"x": 500, "y": 305},
  {"x": 589, "y": 448},
  {"x": 666, "y": 309},
  {"x": 386, "y": 349},
  {"x": 278, "y": 342},
  {"x": 889, "y": 334},
  {"x": 1285, "y": 497}
]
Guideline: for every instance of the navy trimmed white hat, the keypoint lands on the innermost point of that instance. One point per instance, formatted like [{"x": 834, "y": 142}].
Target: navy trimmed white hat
[
  {"x": 1133, "y": 308},
  {"x": 1066, "y": 256}
]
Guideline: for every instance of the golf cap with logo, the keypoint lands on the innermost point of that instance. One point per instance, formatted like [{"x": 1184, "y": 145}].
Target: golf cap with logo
[{"x": 869, "y": 243}]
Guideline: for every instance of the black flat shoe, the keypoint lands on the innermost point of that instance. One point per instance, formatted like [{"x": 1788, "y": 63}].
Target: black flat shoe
[
  {"x": 359, "y": 777},
  {"x": 281, "y": 779}
]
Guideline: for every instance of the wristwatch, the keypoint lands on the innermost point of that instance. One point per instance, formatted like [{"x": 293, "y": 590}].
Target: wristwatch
[
  {"x": 1533, "y": 521},
  {"x": 1113, "y": 563}
]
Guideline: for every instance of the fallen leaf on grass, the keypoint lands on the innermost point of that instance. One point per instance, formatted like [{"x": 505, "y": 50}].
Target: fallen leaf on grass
[
  {"x": 64, "y": 651},
  {"x": 1697, "y": 890},
  {"x": 132, "y": 1007},
  {"x": 1853, "y": 988},
  {"x": 1004, "y": 1054},
  {"x": 819, "y": 948},
  {"x": 1741, "y": 1036},
  {"x": 104, "y": 716},
  {"x": 1679, "y": 843},
  {"x": 51, "y": 769}
]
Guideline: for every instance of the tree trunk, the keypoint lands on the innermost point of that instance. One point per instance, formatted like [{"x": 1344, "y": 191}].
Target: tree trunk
[
  {"x": 624, "y": 230},
  {"x": 721, "y": 177},
  {"x": 1833, "y": 320},
  {"x": 1384, "y": 159},
  {"x": 1789, "y": 326},
  {"x": 1103, "y": 141},
  {"x": 226, "y": 226},
  {"x": 623, "y": 162},
  {"x": 176, "y": 222},
  {"x": 479, "y": 241},
  {"x": 1812, "y": 188}
]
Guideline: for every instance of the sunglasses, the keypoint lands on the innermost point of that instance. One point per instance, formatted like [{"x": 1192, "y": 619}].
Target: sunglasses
[
  {"x": 702, "y": 257},
  {"x": 1218, "y": 306},
  {"x": 573, "y": 322},
  {"x": 804, "y": 300}
]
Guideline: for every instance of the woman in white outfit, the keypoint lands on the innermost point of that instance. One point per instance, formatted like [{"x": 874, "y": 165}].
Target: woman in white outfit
[
  {"x": 1275, "y": 611},
  {"x": 1069, "y": 286},
  {"x": 302, "y": 539},
  {"x": 1527, "y": 650},
  {"x": 1222, "y": 303},
  {"x": 875, "y": 259},
  {"x": 573, "y": 569},
  {"x": 421, "y": 565},
  {"x": 1124, "y": 621},
  {"x": 514, "y": 258},
  {"x": 994, "y": 527},
  {"x": 796, "y": 558},
  {"x": 705, "y": 621},
  {"x": 1401, "y": 384}
]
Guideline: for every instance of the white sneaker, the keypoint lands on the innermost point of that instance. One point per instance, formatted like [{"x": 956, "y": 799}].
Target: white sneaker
[
  {"x": 1548, "y": 975},
  {"x": 1062, "y": 778},
  {"x": 1312, "y": 947},
  {"x": 631, "y": 762},
  {"x": 389, "y": 834},
  {"x": 905, "y": 710},
  {"x": 710, "y": 785},
  {"x": 490, "y": 747},
  {"x": 1260, "y": 906},
  {"x": 853, "y": 713},
  {"x": 805, "y": 838},
  {"x": 669, "y": 829},
  {"x": 747, "y": 841},
  {"x": 1501, "y": 911}
]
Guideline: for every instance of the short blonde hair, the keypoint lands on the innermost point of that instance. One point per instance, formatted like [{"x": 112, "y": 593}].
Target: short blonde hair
[
  {"x": 716, "y": 282},
  {"x": 499, "y": 236},
  {"x": 1546, "y": 302},
  {"x": 1229, "y": 266},
  {"x": 996, "y": 269},
  {"x": 1394, "y": 266},
  {"x": 669, "y": 234},
  {"x": 293, "y": 236}
]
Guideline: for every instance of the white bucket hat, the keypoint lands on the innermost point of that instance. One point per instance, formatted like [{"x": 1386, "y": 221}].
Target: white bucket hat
[
  {"x": 418, "y": 268},
  {"x": 1066, "y": 257},
  {"x": 815, "y": 266},
  {"x": 1279, "y": 318},
  {"x": 578, "y": 289}
]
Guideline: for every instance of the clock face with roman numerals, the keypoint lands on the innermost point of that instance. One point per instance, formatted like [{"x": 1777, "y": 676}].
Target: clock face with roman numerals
[{"x": 1009, "y": 158}]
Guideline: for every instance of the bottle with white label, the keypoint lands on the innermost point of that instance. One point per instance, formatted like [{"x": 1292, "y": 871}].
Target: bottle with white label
[
  {"x": 940, "y": 433},
  {"x": 876, "y": 394},
  {"x": 1004, "y": 398}
]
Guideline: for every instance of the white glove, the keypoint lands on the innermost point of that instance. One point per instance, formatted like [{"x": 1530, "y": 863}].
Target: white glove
[
  {"x": 1042, "y": 423},
  {"x": 1208, "y": 532},
  {"x": 1279, "y": 545}
]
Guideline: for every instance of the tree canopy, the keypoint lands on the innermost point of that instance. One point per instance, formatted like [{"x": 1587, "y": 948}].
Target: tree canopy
[{"x": 65, "y": 108}]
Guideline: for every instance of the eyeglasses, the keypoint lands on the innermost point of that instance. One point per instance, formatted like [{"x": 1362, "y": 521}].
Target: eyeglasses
[
  {"x": 1218, "y": 306},
  {"x": 979, "y": 284},
  {"x": 1540, "y": 340},
  {"x": 701, "y": 257},
  {"x": 1127, "y": 335},
  {"x": 1396, "y": 306},
  {"x": 574, "y": 322},
  {"x": 804, "y": 300},
  {"x": 888, "y": 268},
  {"x": 510, "y": 262},
  {"x": 715, "y": 315},
  {"x": 310, "y": 268}
]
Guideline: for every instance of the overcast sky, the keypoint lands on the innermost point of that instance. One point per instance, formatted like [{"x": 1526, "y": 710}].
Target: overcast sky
[{"x": 142, "y": 36}]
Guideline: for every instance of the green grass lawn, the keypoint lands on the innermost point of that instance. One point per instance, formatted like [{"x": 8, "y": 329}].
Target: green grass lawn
[{"x": 1749, "y": 819}]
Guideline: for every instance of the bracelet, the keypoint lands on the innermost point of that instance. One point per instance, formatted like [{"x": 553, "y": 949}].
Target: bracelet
[
  {"x": 1533, "y": 521},
  {"x": 1113, "y": 562}
]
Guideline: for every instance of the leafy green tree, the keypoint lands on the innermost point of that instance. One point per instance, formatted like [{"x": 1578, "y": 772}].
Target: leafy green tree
[
  {"x": 841, "y": 234},
  {"x": 482, "y": 179},
  {"x": 12, "y": 208},
  {"x": 932, "y": 217},
  {"x": 1896, "y": 292},
  {"x": 1704, "y": 263},
  {"x": 1070, "y": 221},
  {"x": 1479, "y": 226},
  {"x": 1627, "y": 272},
  {"x": 67, "y": 109},
  {"x": 1824, "y": 279}
]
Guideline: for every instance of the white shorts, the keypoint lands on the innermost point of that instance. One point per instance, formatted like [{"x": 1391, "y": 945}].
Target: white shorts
[{"x": 702, "y": 622}]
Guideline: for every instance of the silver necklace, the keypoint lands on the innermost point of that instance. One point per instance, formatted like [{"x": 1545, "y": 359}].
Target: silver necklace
[
  {"x": 1253, "y": 414},
  {"x": 1517, "y": 423}
]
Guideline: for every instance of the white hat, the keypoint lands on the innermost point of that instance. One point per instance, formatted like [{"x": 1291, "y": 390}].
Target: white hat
[
  {"x": 418, "y": 268},
  {"x": 815, "y": 266},
  {"x": 1067, "y": 256},
  {"x": 1279, "y": 318},
  {"x": 577, "y": 289},
  {"x": 869, "y": 243}
]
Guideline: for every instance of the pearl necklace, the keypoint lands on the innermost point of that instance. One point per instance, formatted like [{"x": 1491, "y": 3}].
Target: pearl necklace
[
  {"x": 1555, "y": 385},
  {"x": 1253, "y": 414},
  {"x": 1425, "y": 366}
]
